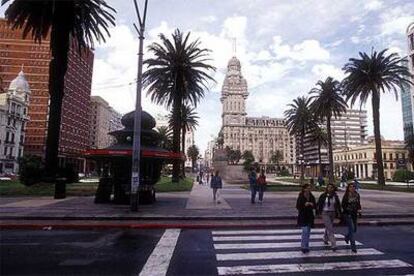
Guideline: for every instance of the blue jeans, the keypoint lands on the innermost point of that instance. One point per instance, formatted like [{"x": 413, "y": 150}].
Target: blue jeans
[
  {"x": 351, "y": 224},
  {"x": 253, "y": 191},
  {"x": 305, "y": 237},
  {"x": 261, "y": 189}
]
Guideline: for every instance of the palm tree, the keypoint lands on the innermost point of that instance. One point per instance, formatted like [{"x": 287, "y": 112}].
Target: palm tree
[
  {"x": 76, "y": 22},
  {"x": 193, "y": 153},
  {"x": 165, "y": 137},
  {"x": 327, "y": 102},
  {"x": 178, "y": 74},
  {"x": 299, "y": 120},
  {"x": 319, "y": 137},
  {"x": 189, "y": 122},
  {"x": 368, "y": 76}
]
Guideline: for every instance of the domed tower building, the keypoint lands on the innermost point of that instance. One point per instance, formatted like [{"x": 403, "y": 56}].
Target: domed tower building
[
  {"x": 261, "y": 135},
  {"x": 13, "y": 119}
]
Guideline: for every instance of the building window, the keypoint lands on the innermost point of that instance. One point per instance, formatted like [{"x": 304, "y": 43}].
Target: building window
[
  {"x": 391, "y": 157},
  {"x": 392, "y": 166}
]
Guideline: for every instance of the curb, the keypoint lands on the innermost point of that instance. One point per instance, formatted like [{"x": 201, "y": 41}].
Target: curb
[{"x": 79, "y": 226}]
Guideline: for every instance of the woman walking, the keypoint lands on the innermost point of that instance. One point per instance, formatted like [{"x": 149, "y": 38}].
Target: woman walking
[
  {"x": 330, "y": 208},
  {"x": 252, "y": 184},
  {"x": 216, "y": 183},
  {"x": 351, "y": 206},
  {"x": 306, "y": 205},
  {"x": 261, "y": 185}
]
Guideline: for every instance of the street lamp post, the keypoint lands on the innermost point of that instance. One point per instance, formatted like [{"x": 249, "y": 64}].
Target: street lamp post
[{"x": 136, "y": 148}]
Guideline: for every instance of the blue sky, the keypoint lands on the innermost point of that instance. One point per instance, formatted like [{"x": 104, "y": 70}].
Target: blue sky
[{"x": 285, "y": 47}]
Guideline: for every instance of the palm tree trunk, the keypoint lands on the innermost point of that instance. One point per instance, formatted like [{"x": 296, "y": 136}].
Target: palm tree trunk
[
  {"x": 302, "y": 164},
  {"x": 183, "y": 148},
  {"x": 377, "y": 134},
  {"x": 320, "y": 160},
  {"x": 330, "y": 155},
  {"x": 176, "y": 136},
  {"x": 59, "y": 42}
]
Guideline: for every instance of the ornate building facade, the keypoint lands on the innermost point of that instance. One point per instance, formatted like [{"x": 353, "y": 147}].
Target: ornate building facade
[
  {"x": 13, "y": 119},
  {"x": 261, "y": 135}
]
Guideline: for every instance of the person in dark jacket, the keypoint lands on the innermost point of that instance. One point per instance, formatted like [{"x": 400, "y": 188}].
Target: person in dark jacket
[
  {"x": 216, "y": 183},
  {"x": 306, "y": 205},
  {"x": 329, "y": 206},
  {"x": 253, "y": 185},
  {"x": 261, "y": 185},
  {"x": 351, "y": 206}
]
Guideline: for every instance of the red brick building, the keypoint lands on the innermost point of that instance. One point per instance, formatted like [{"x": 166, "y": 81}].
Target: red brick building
[{"x": 16, "y": 52}]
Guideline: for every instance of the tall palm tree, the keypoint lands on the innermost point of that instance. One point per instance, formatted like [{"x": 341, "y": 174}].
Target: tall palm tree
[
  {"x": 368, "y": 76},
  {"x": 319, "y": 137},
  {"x": 79, "y": 22},
  {"x": 299, "y": 121},
  {"x": 327, "y": 102},
  {"x": 164, "y": 133},
  {"x": 193, "y": 153},
  {"x": 177, "y": 74},
  {"x": 189, "y": 122}
]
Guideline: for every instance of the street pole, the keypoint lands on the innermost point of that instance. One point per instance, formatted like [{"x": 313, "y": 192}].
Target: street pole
[{"x": 136, "y": 149}]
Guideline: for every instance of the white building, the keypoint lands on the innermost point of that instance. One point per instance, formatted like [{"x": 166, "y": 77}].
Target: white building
[
  {"x": 103, "y": 119},
  {"x": 13, "y": 119},
  {"x": 261, "y": 135},
  {"x": 208, "y": 153}
]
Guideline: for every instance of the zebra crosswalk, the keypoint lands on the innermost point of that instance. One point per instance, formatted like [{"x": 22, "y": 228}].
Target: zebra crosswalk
[{"x": 248, "y": 252}]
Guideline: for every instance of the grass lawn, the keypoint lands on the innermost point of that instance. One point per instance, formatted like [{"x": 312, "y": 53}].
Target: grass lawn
[
  {"x": 15, "y": 188},
  {"x": 388, "y": 188},
  {"x": 165, "y": 185}
]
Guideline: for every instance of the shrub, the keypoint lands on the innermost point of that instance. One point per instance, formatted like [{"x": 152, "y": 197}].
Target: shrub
[
  {"x": 403, "y": 175},
  {"x": 30, "y": 169},
  {"x": 70, "y": 173},
  {"x": 284, "y": 172}
]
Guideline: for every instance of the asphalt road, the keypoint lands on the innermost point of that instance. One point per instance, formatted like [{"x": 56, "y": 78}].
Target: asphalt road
[{"x": 202, "y": 252}]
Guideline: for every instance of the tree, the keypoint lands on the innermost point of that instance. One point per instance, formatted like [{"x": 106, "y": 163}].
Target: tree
[
  {"x": 319, "y": 137},
  {"x": 368, "y": 76},
  {"x": 79, "y": 22},
  {"x": 177, "y": 75},
  {"x": 189, "y": 121},
  {"x": 299, "y": 120},
  {"x": 220, "y": 139},
  {"x": 248, "y": 158},
  {"x": 409, "y": 145},
  {"x": 193, "y": 153},
  {"x": 165, "y": 137},
  {"x": 276, "y": 157},
  {"x": 236, "y": 156},
  {"x": 327, "y": 102}
]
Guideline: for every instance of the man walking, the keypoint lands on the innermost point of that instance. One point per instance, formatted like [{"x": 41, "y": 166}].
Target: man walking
[{"x": 252, "y": 183}]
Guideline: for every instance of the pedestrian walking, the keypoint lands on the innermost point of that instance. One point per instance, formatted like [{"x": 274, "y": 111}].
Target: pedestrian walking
[
  {"x": 201, "y": 177},
  {"x": 329, "y": 206},
  {"x": 252, "y": 184},
  {"x": 208, "y": 177},
  {"x": 216, "y": 184},
  {"x": 306, "y": 204},
  {"x": 351, "y": 206},
  {"x": 343, "y": 180},
  {"x": 357, "y": 184},
  {"x": 321, "y": 181},
  {"x": 261, "y": 185}
]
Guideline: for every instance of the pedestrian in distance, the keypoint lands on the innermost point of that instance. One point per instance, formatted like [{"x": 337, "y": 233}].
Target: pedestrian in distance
[
  {"x": 357, "y": 185},
  {"x": 343, "y": 180},
  {"x": 306, "y": 204},
  {"x": 329, "y": 206},
  {"x": 253, "y": 185},
  {"x": 321, "y": 181},
  {"x": 208, "y": 177},
  {"x": 216, "y": 184},
  {"x": 261, "y": 185},
  {"x": 201, "y": 178},
  {"x": 351, "y": 206}
]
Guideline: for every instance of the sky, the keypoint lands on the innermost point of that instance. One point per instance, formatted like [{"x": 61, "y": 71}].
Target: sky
[{"x": 284, "y": 47}]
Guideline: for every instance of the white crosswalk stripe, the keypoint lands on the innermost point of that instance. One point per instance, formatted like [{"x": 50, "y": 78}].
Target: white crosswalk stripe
[{"x": 237, "y": 253}]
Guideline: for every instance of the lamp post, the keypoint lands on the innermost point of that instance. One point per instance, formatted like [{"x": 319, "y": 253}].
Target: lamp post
[{"x": 136, "y": 148}]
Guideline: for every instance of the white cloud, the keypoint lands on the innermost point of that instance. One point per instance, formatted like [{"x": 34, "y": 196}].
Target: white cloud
[
  {"x": 234, "y": 27},
  {"x": 373, "y": 5},
  {"x": 304, "y": 51},
  {"x": 323, "y": 71},
  {"x": 397, "y": 19},
  {"x": 209, "y": 19}
]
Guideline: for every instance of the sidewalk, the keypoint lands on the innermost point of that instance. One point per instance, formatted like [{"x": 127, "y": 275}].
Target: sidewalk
[{"x": 195, "y": 208}]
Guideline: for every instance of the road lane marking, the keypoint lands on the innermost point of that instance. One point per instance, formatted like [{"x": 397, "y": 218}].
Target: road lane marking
[
  {"x": 309, "y": 267},
  {"x": 294, "y": 254},
  {"x": 267, "y": 238},
  {"x": 220, "y": 246},
  {"x": 282, "y": 231},
  {"x": 159, "y": 260}
]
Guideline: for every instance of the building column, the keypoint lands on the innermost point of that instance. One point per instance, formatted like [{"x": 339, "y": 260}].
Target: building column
[{"x": 362, "y": 171}]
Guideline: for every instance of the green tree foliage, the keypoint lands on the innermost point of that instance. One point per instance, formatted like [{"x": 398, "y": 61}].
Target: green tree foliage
[
  {"x": 193, "y": 153},
  {"x": 327, "y": 102},
  {"x": 177, "y": 74},
  {"x": 403, "y": 175},
  {"x": 248, "y": 160},
  {"x": 164, "y": 133},
  {"x": 31, "y": 169},
  {"x": 370, "y": 76}
]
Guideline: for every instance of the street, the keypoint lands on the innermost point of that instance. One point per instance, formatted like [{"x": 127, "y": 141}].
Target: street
[{"x": 384, "y": 250}]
